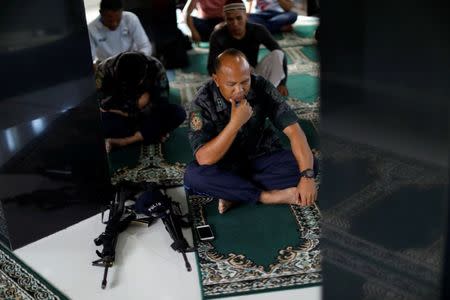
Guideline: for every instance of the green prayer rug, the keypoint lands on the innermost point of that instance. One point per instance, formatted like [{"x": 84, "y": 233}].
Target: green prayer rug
[
  {"x": 149, "y": 166},
  {"x": 257, "y": 248},
  {"x": 311, "y": 53},
  {"x": 20, "y": 282},
  {"x": 305, "y": 31}
]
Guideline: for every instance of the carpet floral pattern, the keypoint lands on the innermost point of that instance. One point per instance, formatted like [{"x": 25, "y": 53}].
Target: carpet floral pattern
[
  {"x": 152, "y": 168},
  {"x": 296, "y": 265},
  {"x": 17, "y": 282}
]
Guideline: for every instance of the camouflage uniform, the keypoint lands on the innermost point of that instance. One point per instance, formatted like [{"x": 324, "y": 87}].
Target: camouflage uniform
[{"x": 158, "y": 118}]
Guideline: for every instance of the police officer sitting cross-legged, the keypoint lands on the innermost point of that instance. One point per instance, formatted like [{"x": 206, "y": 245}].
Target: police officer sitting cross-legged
[
  {"x": 133, "y": 93},
  {"x": 239, "y": 158}
]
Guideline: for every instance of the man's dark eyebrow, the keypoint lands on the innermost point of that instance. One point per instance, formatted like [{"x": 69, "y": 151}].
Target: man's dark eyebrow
[{"x": 234, "y": 82}]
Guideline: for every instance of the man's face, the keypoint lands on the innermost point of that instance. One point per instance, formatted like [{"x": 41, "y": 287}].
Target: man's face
[
  {"x": 236, "y": 21},
  {"x": 111, "y": 18},
  {"x": 233, "y": 78}
]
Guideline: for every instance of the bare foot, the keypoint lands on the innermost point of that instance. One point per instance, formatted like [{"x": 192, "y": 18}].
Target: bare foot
[
  {"x": 225, "y": 205},
  {"x": 286, "y": 196},
  {"x": 287, "y": 28}
]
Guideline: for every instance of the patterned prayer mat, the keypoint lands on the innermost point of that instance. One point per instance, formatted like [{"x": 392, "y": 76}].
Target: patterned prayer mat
[
  {"x": 151, "y": 168},
  {"x": 257, "y": 248},
  {"x": 19, "y": 282}
]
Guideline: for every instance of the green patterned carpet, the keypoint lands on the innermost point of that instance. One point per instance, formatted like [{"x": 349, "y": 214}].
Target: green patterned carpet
[
  {"x": 256, "y": 248},
  {"x": 19, "y": 282},
  {"x": 145, "y": 164}
]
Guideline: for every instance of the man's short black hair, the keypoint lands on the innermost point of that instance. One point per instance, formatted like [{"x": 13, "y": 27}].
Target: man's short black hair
[
  {"x": 229, "y": 52},
  {"x": 131, "y": 68},
  {"x": 113, "y": 5}
]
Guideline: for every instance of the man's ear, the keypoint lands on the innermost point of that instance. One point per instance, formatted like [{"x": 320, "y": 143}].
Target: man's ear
[{"x": 216, "y": 79}]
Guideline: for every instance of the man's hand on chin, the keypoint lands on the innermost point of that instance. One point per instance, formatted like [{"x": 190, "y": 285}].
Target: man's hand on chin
[{"x": 283, "y": 90}]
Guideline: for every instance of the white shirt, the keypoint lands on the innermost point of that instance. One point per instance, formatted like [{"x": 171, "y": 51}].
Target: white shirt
[{"x": 129, "y": 36}]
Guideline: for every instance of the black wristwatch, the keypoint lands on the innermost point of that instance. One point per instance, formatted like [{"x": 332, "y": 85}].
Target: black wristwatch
[{"x": 307, "y": 173}]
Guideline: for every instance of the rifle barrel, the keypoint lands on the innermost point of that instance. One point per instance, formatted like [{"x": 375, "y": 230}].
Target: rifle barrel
[
  {"x": 188, "y": 265},
  {"x": 105, "y": 275}
]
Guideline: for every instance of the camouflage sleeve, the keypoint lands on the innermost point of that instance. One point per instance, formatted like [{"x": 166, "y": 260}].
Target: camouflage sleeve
[
  {"x": 102, "y": 82},
  {"x": 280, "y": 114},
  {"x": 161, "y": 84},
  {"x": 201, "y": 127}
]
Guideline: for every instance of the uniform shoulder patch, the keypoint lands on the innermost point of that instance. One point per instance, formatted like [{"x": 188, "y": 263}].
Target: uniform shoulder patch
[
  {"x": 196, "y": 121},
  {"x": 99, "y": 79}
]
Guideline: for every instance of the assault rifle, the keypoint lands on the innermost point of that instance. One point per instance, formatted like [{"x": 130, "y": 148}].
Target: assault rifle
[{"x": 152, "y": 204}]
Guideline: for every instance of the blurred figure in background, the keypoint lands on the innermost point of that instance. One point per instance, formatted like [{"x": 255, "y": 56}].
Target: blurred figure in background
[
  {"x": 115, "y": 31},
  {"x": 210, "y": 14},
  {"x": 275, "y": 15},
  {"x": 247, "y": 37},
  {"x": 159, "y": 20}
]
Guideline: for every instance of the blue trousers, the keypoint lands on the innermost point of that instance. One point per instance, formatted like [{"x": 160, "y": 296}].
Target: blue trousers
[
  {"x": 273, "y": 20},
  {"x": 244, "y": 183}
]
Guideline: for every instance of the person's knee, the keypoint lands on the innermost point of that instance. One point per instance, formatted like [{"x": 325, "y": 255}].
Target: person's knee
[
  {"x": 196, "y": 22},
  {"x": 287, "y": 159},
  {"x": 278, "y": 55},
  {"x": 115, "y": 126},
  {"x": 196, "y": 176},
  {"x": 190, "y": 174},
  {"x": 292, "y": 17}
]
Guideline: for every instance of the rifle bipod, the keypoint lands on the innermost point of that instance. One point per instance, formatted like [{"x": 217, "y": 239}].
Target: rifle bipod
[
  {"x": 159, "y": 205},
  {"x": 173, "y": 223},
  {"x": 150, "y": 205},
  {"x": 105, "y": 262}
]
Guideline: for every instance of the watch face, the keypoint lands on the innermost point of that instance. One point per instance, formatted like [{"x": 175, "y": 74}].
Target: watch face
[{"x": 308, "y": 173}]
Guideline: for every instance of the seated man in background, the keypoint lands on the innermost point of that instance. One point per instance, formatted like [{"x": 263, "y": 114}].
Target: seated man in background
[
  {"x": 247, "y": 37},
  {"x": 133, "y": 95},
  {"x": 209, "y": 15},
  {"x": 115, "y": 31},
  {"x": 276, "y": 15},
  {"x": 159, "y": 20},
  {"x": 238, "y": 157}
]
